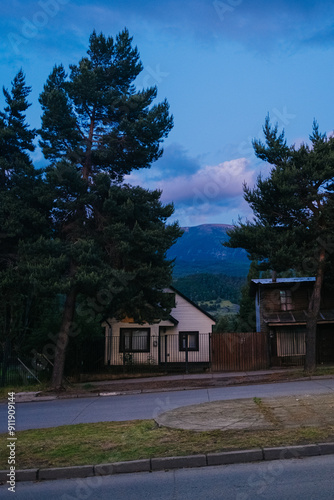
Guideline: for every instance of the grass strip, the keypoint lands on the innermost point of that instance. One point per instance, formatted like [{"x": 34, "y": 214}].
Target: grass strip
[{"x": 106, "y": 442}]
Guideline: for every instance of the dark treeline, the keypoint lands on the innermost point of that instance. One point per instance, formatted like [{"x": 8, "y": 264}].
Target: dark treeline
[{"x": 206, "y": 287}]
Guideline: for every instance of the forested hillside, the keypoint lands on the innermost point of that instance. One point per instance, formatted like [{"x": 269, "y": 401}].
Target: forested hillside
[
  {"x": 217, "y": 294},
  {"x": 207, "y": 287}
]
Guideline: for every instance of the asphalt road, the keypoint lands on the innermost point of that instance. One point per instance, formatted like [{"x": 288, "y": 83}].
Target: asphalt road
[
  {"x": 144, "y": 406},
  {"x": 297, "y": 479}
]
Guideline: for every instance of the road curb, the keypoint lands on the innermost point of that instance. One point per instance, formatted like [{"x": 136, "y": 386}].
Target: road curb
[
  {"x": 166, "y": 463},
  {"x": 235, "y": 457},
  {"x": 66, "y": 472}
]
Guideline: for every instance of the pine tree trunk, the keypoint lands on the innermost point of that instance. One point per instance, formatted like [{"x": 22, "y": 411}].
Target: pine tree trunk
[
  {"x": 62, "y": 340},
  {"x": 311, "y": 338},
  {"x": 312, "y": 316}
]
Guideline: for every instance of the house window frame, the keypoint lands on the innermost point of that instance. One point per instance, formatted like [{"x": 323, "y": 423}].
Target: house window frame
[
  {"x": 286, "y": 300},
  {"x": 188, "y": 334},
  {"x": 132, "y": 330}
]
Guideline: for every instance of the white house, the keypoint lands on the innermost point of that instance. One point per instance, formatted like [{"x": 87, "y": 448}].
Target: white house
[{"x": 185, "y": 336}]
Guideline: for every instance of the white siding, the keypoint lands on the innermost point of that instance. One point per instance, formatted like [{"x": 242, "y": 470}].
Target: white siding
[{"x": 190, "y": 319}]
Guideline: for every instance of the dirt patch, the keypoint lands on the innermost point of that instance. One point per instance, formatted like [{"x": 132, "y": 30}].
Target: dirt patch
[{"x": 309, "y": 410}]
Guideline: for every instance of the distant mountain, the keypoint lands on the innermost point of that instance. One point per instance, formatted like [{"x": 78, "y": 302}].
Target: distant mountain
[{"x": 200, "y": 250}]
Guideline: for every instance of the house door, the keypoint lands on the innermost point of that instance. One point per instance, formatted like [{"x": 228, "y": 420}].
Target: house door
[
  {"x": 169, "y": 347},
  {"x": 163, "y": 346}
]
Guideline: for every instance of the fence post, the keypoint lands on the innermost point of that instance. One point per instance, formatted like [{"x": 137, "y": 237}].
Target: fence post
[
  {"x": 123, "y": 349},
  {"x": 268, "y": 342},
  {"x": 166, "y": 350}
]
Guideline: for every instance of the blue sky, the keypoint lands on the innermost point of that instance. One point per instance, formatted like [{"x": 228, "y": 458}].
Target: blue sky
[{"x": 223, "y": 65}]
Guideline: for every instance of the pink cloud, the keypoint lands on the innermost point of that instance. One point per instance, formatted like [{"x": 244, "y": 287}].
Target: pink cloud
[{"x": 209, "y": 184}]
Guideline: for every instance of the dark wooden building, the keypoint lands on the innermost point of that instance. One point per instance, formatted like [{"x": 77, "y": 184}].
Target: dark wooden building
[{"x": 281, "y": 314}]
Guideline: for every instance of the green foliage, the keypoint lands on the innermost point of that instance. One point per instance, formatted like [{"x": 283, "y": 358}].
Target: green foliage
[
  {"x": 293, "y": 206},
  {"x": 275, "y": 151},
  {"x": 227, "y": 323},
  {"x": 96, "y": 128},
  {"x": 246, "y": 321},
  {"x": 95, "y": 118}
]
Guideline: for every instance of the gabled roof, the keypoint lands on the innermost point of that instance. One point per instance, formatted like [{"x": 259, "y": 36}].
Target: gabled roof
[
  {"x": 173, "y": 320},
  {"x": 192, "y": 303},
  {"x": 170, "y": 317}
]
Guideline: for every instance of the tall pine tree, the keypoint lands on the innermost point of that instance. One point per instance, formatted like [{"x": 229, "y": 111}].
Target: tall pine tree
[
  {"x": 96, "y": 128},
  {"x": 293, "y": 224},
  {"x": 22, "y": 217}
]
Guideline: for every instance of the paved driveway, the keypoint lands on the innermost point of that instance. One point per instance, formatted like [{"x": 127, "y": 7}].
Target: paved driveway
[{"x": 280, "y": 412}]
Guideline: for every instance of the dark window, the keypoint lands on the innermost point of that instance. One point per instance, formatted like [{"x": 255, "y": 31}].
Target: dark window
[
  {"x": 188, "y": 341},
  {"x": 134, "y": 340},
  {"x": 286, "y": 300}
]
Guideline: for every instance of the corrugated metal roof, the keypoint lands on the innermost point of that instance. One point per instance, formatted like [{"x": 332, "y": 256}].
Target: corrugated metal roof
[
  {"x": 269, "y": 281},
  {"x": 296, "y": 317}
]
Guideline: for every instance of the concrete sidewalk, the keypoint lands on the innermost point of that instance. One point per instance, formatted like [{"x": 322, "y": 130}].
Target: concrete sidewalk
[
  {"x": 201, "y": 376},
  {"x": 204, "y": 376}
]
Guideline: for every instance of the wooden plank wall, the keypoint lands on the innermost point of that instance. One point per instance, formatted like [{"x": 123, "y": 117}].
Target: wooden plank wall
[{"x": 239, "y": 351}]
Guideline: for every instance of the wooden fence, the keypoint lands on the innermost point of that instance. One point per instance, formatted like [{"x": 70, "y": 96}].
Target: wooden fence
[{"x": 239, "y": 351}]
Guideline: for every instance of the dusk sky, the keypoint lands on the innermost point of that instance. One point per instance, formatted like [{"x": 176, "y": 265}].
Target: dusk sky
[{"x": 222, "y": 65}]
